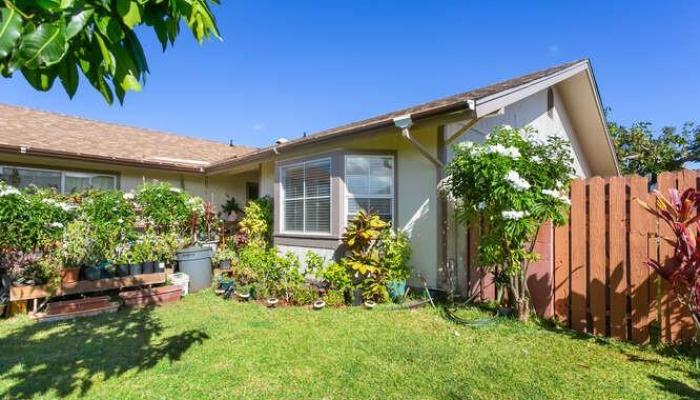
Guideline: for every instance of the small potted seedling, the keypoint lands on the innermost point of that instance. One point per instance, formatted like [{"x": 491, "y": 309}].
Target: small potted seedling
[
  {"x": 271, "y": 302},
  {"x": 319, "y": 304},
  {"x": 243, "y": 293},
  {"x": 223, "y": 258}
]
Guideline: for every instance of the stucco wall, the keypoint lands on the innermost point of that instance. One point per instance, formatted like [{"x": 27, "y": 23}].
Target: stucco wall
[
  {"x": 530, "y": 111},
  {"x": 416, "y": 212}
]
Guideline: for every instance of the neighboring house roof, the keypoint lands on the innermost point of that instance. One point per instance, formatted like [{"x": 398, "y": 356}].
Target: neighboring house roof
[
  {"x": 479, "y": 101},
  {"x": 42, "y": 133}
]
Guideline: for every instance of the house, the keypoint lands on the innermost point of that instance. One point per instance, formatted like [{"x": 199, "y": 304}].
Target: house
[{"x": 390, "y": 163}]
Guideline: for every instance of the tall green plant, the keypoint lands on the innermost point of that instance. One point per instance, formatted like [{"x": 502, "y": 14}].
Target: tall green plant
[
  {"x": 512, "y": 183},
  {"x": 257, "y": 222}
]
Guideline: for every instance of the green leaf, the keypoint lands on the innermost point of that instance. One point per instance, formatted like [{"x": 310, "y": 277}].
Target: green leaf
[
  {"x": 10, "y": 29},
  {"x": 129, "y": 11},
  {"x": 77, "y": 22},
  {"x": 68, "y": 73},
  {"x": 109, "y": 62},
  {"x": 44, "y": 46},
  {"x": 40, "y": 79}
]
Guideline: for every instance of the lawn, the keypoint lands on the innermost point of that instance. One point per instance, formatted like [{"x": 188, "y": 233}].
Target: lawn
[{"x": 206, "y": 347}]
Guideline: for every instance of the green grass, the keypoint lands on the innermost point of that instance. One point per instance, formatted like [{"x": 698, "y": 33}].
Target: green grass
[{"x": 205, "y": 347}]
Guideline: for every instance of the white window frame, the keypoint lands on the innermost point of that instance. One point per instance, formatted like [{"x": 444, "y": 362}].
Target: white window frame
[
  {"x": 64, "y": 174},
  {"x": 391, "y": 195},
  {"x": 283, "y": 199}
]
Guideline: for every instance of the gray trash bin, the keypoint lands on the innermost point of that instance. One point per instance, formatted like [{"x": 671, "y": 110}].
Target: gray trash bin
[{"x": 195, "y": 261}]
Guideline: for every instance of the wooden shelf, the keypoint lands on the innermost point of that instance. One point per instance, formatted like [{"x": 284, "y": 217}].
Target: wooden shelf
[{"x": 19, "y": 293}]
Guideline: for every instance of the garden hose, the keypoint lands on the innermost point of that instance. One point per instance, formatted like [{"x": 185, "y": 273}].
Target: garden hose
[{"x": 475, "y": 323}]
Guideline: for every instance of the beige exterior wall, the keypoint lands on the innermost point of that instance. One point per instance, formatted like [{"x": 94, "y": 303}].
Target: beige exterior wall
[
  {"x": 214, "y": 188},
  {"x": 416, "y": 211}
]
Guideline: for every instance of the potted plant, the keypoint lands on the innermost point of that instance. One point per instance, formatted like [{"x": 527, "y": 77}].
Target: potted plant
[
  {"x": 135, "y": 261},
  {"x": 121, "y": 263},
  {"x": 396, "y": 251},
  {"x": 244, "y": 292},
  {"x": 74, "y": 250},
  {"x": 231, "y": 210},
  {"x": 223, "y": 258}
]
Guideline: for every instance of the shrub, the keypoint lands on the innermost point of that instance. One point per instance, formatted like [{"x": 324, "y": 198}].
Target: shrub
[
  {"x": 31, "y": 219},
  {"x": 334, "y": 298},
  {"x": 256, "y": 224},
  {"x": 512, "y": 183},
  {"x": 164, "y": 207},
  {"x": 337, "y": 276},
  {"x": 376, "y": 255},
  {"x": 314, "y": 264}
]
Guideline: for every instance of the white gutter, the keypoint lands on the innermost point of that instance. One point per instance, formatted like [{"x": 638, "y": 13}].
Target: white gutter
[{"x": 404, "y": 122}]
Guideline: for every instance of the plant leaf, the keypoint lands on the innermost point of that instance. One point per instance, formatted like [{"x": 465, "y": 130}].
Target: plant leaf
[
  {"x": 44, "y": 46},
  {"x": 129, "y": 11},
  {"x": 68, "y": 73},
  {"x": 77, "y": 22},
  {"x": 10, "y": 30}
]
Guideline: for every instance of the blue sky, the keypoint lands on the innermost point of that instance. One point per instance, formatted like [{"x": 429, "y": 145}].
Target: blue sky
[{"x": 286, "y": 67}]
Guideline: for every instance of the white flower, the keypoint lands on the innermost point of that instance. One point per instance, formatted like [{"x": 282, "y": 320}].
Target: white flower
[
  {"x": 557, "y": 195},
  {"x": 56, "y": 225},
  {"x": 50, "y": 201},
  {"x": 64, "y": 206},
  {"x": 9, "y": 191},
  {"x": 120, "y": 220},
  {"x": 465, "y": 145},
  {"x": 481, "y": 206},
  {"x": 513, "y": 215},
  {"x": 516, "y": 181},
  {"x": 175, "y": 190},
  {"x": 128, "y": 196},
  {"x": 444, "y": 185},
  {"x": 511, "y": 152},
  {"x": 536, "y": 159}
]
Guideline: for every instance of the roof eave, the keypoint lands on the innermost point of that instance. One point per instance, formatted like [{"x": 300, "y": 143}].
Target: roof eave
[{"x": 63, "y": 155}]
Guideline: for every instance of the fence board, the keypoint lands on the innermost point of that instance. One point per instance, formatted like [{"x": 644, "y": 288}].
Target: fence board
[
  {"x": 617, "y": 248},
  {"x": 578, "y": 256},
  {"x": 640, "y": 225},
  {"x": 667, "y": 180},
  {"x": 597, "y": 280},
  {"x": 681, "y": 322},
  {"x": 562, "y": 272}
]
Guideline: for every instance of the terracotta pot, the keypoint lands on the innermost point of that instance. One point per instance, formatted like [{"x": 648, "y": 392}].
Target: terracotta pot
[{"x": 70, "y": 274}]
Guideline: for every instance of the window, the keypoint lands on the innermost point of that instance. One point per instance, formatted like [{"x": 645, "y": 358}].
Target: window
[
  {"x": 370, "y": 185},
  {"x": 306, "y": 195},
  {"x": 64, "y": 182}
]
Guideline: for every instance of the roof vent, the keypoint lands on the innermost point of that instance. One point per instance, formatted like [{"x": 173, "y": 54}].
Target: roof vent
[{"x": 281, "y": 141}]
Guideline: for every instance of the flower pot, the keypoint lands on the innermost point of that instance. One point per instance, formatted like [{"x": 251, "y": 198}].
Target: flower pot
[
  {"x": 272, "y": 302},
  {"x": 92, "y": 273},
  {"x": 149, "y": 267},
  {"x": 397, "y": 289},
  {"x": 369, "y": 304},
  {"x": 135, "y": 269},
  {"x": 123, "y": 270},
  {"x": 106, "y": 273},
  {"x": 319, "y": 304},
  {"x": 243, "y": 296},
  {"x": 160, "y": 267},
  {"x": 70, "y": 274},
  {"x": 225, "y": 265}
]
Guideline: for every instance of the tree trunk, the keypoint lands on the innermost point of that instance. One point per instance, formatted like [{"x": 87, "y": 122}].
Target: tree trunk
[{"x": 523, "y": 309}]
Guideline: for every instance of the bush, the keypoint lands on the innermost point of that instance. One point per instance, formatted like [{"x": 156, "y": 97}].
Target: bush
[
  {"x": 164, "y": 207},
  {"x": 334, "y": 298},
  {"x": 256, "y": 224}
]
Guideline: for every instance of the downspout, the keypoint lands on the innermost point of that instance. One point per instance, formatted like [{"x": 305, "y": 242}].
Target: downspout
[{"x": 404, "y": 122}]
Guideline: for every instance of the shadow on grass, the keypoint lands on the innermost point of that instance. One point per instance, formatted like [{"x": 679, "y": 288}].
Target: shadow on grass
[
  {"x": 65, "y": 358},
  {"x": 680, "y": 389}
]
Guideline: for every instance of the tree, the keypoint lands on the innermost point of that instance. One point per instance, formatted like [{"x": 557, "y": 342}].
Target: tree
[
  {"x": 511, "y": 184},
  {"x": 49, "y": 39},
  {"x": 640, "y": 151}
]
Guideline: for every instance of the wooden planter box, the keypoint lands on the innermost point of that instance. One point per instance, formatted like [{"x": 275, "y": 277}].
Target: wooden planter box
[
  {"x": 19, "y": 293},
  {"x": 148, "y": 297},
  {"x": 69, "y": 309}
]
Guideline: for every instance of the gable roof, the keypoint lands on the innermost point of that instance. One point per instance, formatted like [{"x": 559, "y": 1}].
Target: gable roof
[
  {"x": 461, "y": 101},
  {"x": 55, "y": 135}
]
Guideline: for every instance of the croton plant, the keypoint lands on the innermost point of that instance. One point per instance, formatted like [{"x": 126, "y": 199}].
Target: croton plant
[{"x": 680, "y": 212}]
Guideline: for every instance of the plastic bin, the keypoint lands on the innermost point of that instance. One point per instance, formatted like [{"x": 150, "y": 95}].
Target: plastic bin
[
  {"x": 181, "y": 279},
  {"x": 196, "y": 262}
]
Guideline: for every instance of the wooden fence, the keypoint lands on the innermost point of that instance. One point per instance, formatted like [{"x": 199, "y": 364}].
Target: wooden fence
[{"x": 600, "y": 282}]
